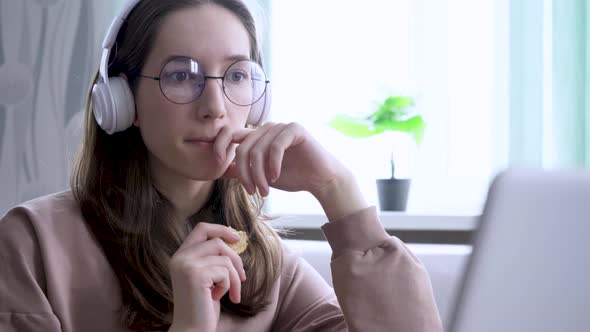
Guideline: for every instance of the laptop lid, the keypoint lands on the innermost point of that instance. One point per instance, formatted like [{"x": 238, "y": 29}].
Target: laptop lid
[{"x": 530, "y": 265}]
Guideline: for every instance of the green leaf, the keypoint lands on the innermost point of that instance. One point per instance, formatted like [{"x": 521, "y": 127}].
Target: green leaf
[
  {"x": 414, "y": 126},
  {"x": 393, "y": 108},
  {"x": 391, "y": 115},
  {"x": 355, "y": 128},
  {"x": 396, "y": 103}
]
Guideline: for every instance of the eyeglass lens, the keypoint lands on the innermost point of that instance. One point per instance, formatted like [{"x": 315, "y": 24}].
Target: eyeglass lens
[{"x": 182, "y": 80}]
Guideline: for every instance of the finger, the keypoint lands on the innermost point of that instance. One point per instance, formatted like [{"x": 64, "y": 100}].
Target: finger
[
  {"x": 258, "y": 157},
  {"x": 225, "y": 138},
  {"x": 220, "y": 277},
  {"x": 222, "y": 141},
  {"x": 243, "y": 157},
  {"x": 240, "y": 134},
  {"x": 233, "y": 280},
  {"x": 215, "y": 247},
  {"x": 286, "y": 138},
  {"x": 230, "y": 152},
  {"x": 204, "y": 231},
  {"x": 231, "y": 172}
]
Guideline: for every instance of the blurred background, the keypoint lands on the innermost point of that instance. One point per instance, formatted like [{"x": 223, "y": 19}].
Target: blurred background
[{"x": 497, "y": 82}]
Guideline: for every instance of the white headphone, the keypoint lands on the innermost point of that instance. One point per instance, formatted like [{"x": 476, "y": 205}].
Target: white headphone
[{"x": 112, "y": 100}]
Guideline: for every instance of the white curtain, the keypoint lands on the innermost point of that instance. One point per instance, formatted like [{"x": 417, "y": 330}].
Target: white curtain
[{"x": 550, "y": 83}]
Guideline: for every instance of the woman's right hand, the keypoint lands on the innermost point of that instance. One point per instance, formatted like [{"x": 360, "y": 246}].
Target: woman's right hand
[{"x": 202, "y": 270}]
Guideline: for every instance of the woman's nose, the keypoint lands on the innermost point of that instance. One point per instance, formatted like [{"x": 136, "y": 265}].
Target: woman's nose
[{"x": 212, "y": 105}]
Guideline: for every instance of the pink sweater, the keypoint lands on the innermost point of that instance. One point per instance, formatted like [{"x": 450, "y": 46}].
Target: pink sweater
[{"x": 55, "y": 277}]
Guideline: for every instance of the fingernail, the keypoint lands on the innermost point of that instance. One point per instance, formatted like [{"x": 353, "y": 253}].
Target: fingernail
[{"x": 236, "y": 236}]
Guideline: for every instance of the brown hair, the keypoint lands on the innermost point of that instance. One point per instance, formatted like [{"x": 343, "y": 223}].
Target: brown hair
[{"x": 133, "y": 222}]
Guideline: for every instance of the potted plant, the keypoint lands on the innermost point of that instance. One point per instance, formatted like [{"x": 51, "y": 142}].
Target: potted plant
[{"x": 394, "y": 114}]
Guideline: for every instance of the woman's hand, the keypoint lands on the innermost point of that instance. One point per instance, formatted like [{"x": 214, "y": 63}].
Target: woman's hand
[
  {"x": 282, "y": 156},
  {"x": 203, "y": 269},
  {"x": 287, "y": 157}
]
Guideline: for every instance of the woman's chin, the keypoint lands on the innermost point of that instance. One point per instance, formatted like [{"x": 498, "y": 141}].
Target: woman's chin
[{"x": 208, "y": 171}]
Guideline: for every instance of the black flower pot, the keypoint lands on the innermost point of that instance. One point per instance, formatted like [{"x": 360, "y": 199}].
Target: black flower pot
[{"x": 393, "y": 194}]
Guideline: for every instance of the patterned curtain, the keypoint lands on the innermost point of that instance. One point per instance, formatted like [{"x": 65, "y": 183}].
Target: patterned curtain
[{"x": 49, "y": 51}]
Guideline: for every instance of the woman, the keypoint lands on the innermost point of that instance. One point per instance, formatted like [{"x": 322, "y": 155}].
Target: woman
[{"x": 141, "y": 240}]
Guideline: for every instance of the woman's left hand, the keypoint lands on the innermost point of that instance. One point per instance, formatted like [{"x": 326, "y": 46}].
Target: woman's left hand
[{"x": 278, "y": 155}]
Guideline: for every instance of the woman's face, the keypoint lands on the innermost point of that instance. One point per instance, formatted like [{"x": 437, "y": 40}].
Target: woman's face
[{"x": 173, "y": 133}]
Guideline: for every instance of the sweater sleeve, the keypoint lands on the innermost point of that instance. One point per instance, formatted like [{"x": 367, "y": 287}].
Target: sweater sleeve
[
  {"x": 380, "y": 284},
  {"x": 23, "y": 306}
]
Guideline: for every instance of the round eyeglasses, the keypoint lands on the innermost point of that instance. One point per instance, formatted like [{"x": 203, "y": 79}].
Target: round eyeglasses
[{"x": 182, "y": 81}]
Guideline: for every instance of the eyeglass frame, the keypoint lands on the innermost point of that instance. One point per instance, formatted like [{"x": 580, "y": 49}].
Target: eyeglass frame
[{"x": 205, "y": 77}]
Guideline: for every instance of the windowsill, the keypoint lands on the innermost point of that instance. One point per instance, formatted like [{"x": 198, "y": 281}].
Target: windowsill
[{"x": 394, "y": 221}]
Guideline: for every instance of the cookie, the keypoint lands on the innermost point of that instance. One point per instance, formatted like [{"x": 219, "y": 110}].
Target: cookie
[{"x": 240, "y": 246}]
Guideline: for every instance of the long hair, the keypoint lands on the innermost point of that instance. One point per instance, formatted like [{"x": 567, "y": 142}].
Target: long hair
[{"x": 135, "y": 224}]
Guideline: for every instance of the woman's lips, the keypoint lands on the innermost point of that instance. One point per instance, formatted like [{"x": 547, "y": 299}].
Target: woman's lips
[{"x": 199, "y": 143}]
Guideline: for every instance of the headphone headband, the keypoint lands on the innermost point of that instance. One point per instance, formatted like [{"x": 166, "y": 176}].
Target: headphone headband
[{"x": 111, "y": 37}]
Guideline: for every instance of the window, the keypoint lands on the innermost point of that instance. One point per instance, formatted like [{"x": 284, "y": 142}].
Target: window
[{"x": 329, "y": 57}]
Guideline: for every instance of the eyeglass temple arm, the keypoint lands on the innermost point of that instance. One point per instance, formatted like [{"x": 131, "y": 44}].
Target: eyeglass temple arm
[{"x": 155, "y": 78}]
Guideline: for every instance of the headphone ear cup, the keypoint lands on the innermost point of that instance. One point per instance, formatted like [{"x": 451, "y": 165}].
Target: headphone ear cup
[
  {"x": 102, "y": 107},
  {"x": 260, "y": 110},
  {"x": 124, "y": 103},
  {"x": 113, "y": 105}
]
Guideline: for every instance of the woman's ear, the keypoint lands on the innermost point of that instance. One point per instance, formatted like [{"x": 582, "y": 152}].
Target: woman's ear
[{"x": 135, "y": 121}]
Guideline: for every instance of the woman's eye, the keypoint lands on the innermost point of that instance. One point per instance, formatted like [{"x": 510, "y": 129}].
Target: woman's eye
[
  {"x": 237, "y": 76},
  {"x": 180, "y": 76}
]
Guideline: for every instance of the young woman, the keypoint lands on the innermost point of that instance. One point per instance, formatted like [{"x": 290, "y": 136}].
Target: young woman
[{"x": 172, "y": 157}]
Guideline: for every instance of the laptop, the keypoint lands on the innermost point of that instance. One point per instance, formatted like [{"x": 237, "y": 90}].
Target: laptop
[{"x": 530, "y": 265}]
